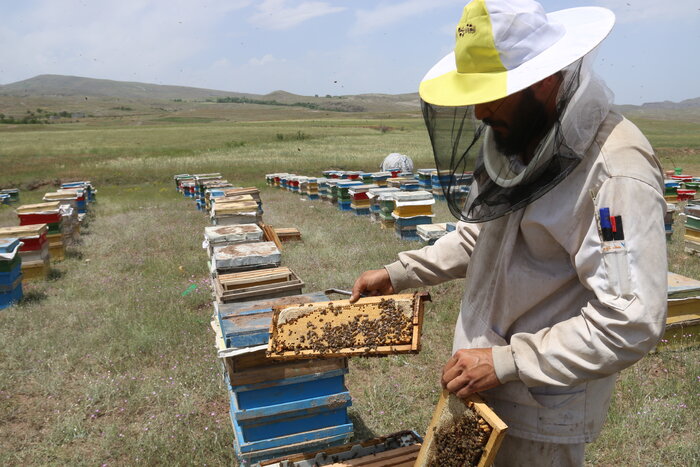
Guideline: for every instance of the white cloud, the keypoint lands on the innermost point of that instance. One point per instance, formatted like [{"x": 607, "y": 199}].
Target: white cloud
[
  {"x": 125, "y": 40},
  {"x": 275, "y": 14},
  {"x": 264, "y": 60},
  {"x": 386, "y": 15},
  {"x": 636, "y": 11}
]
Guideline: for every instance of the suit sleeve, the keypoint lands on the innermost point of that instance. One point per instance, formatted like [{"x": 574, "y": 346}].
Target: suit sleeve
[{"x": 447, "y": 259}]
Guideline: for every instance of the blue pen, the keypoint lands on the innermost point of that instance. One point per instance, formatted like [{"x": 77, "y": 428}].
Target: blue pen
[{"x": 605, "y": 225}]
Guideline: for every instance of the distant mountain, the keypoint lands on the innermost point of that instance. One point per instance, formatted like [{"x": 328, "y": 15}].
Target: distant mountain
[
  {"x": 75, "y": 86},
  {"x": 70, "y": 86}
]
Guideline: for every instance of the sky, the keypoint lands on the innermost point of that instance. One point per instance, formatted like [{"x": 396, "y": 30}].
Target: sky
[{"x": 314, "y": 47}]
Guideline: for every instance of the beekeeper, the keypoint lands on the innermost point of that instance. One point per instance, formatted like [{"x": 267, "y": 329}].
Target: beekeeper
[{"x": 561, "y": 239}]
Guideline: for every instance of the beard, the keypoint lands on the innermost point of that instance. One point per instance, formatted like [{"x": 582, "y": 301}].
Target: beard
[{"x": 529, "y": 123}]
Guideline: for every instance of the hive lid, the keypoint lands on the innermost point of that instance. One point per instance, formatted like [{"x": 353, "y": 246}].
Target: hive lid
[
  {"x": 419, "y": 195},
  {"x": 22, "y": 231},
  {"x": 233, "y": 233},
  {"x": 241, "y": 255},
  {"x": 682, "y": 287},
  {"x": 9, "y": 244},
  {"x": 50, "y": 206}
]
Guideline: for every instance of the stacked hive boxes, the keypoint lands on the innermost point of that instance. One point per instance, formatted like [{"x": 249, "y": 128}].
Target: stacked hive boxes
[
  {"x": 438, "y": 179},
  {"x": 4, "y": 199},
  {"x": 430, "y": 233},
  {"x": 683, "y": 317},
  {"x": 671, "y": 193},
  {"x": 70, "y": 224},
  {"x": 683, "y": 193},
  {"x": 10, "y": 272},
  {"x": 343, "y": 191},
  {"x": 404, "y": 183},
  {"x": 380, "y": 178},
  {"x": 63, "y": 197},
  {"x": 90, "y": 191},
  {"x": 425, "y": 179},
  {"x": 34, "y": 250},
  {"x": 311, "y": 188},
  {"x": 81, "y": 198},
  {"x": 668, "y": 219},
  {"x": 692, "y": 228},
  {"x": 244, "y": 266},
  {"x": 201, "y": 183},
  {"x": 360, "y": 202},
  {"x": 333, "y": 190},
  {"x": 375, "y": 207},
  {"x": 412, "y": 208},
  {"x": 236, "y": 209},
  {"x": 209, "y": 186},
  {"x": 49, "y": 214},
  {"x": 11, "y": 194},
  {"x": 324, "y": 189},
  {"x": 276, "y": 408},
  {"x": 213, "y": 194},
  {"x": 178, "y": 179},
  {"x": 386, "y": 208}
]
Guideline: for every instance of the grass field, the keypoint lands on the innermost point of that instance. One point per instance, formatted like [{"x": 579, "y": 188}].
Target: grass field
[{"x": 108, "y": 362}]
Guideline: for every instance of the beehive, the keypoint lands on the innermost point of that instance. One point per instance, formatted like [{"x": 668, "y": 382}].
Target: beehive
[
  {"x": 473, "y": 418},
  {"x": 683, "y": 319},
  {"x": 430, "y": 233},
  {"x": 372, "y": 326},
  {"x": 277, "y": 408}
]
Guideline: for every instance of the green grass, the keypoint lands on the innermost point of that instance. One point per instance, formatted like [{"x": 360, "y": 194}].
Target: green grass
[{"x": 109, "y": 363}]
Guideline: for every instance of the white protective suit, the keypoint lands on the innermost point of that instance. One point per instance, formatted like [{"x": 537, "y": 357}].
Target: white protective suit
[{"x": 563, "y": 310}]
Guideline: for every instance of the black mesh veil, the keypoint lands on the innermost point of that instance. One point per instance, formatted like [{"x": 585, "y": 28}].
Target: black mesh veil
[{"x": 485, "y": 175}]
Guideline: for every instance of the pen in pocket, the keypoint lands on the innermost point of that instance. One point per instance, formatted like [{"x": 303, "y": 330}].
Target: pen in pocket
[{"x": 605, "y": 225}]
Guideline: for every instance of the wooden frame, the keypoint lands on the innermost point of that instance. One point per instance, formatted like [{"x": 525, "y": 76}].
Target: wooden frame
[
  {"x": 318, "y": 312},
  {"x": 443, "y": 413},
  {"x": 373, "y": 452},
  {"x": 270, "y": 235},
  {"x": 288, "y": 234},
  {"x": 279, "y": 282}
]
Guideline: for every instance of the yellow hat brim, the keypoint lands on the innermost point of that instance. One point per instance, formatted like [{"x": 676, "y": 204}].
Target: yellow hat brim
[{"x": 457, "y": 89}]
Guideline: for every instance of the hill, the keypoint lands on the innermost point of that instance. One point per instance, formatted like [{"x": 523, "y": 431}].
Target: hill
[
  {"x": 103, "y": 98},
  {"x": 72, "y": 86},
  {"x": 75, "y": 87}
]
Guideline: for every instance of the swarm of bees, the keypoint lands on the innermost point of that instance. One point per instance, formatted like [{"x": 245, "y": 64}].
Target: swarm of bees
[
  {"x": 461, "y": 442},
  {"x": 390, "y": 327}
]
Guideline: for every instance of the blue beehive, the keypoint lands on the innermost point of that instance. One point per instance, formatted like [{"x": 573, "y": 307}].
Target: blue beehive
[
  {"x": 279, "y": 407},
  {"x": 10, "y": 272}
]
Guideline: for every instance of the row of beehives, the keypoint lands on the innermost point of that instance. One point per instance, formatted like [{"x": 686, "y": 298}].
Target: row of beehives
[
  {"x": 680, "y": 188},
  {"x": 291, "y": 412},
  {"x": 44, "y": 230},
  {"x": 276, "y": 408},
  {"x": 395, "y": 202}
]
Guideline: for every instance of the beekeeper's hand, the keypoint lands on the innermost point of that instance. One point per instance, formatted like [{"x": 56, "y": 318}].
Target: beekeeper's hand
[
  {"x": 469, "y": 371},
  {"x": 372, "y": 283}
]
